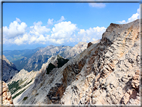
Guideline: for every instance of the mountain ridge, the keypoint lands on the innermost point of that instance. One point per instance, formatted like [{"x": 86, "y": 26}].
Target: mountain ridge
[{"x": 86, "y": 79}]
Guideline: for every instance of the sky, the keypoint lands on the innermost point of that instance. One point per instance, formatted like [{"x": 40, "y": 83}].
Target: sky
[{"x": 32, "y": 25}]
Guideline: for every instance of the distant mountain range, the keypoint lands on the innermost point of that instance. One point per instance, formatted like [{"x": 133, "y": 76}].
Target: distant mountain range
[
  {"x": 19, "y": 57},
  {"x": 32, "y": 59},
  {"x": 41, "y": 56}
]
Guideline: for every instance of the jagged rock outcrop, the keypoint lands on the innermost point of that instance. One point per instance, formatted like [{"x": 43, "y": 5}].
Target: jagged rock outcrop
[
  {"x": 74, "y": 51},
  {"x": 89, "y": 44},
  {"x": 41, "y": 56},
  {"x": 5, "y": 95},
  {"x": 105, "y": 73},
  {"x": 111, "y": 72},
  {"x": 9, "y": 69},
  {"x": 52, "y": 86}
]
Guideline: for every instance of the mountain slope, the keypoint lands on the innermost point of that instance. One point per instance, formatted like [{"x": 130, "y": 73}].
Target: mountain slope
[
  {"x": 111, "y": 73},
  {"x": 9, "y": 69},
  {"x": 24, "y": 77},
  {"x": 45, "y": 82},
  {"x": 104, "y": 73},
  {"x": 35, "y": 62},
  {"x": 77, "y": 49},
  {"x": 42, "y": 56},
  {"x": 20, "y": 82}
]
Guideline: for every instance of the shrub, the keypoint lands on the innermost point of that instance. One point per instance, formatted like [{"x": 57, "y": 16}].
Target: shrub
[
  {"x": 25, "y": 98},
  {"x": 49, "y": 68}
]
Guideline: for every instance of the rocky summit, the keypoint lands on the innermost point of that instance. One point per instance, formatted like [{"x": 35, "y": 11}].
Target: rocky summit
[{"x": 106, "y": 73}]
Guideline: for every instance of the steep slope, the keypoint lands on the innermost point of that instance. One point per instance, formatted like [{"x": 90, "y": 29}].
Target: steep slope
[
  {"x": 41, "y": 56},
  {"x": 20, "y": 57},
  {"x": 54, "y": 62},
  {"x": 104, "y": 73},
  {"x": 9, "y": 69},
  {"x": 20, "y": 82},
  {"x": 77, "y": 49},
  {"x": 111, "y": 73},
  {"x": 45, "y": 84}
]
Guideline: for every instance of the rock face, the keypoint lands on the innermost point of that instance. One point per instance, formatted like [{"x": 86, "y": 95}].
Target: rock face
[
  {"x": 35, "y": 62},
  {"x": 49, "y": 88},
  {"x": 20, "y": 82},
  {"x": 105, "y": 73},
  {"x": 9, "y": 69},
  {"x": 5, "y": 95},
  {"x": 110, "y": 70},
  {"x": 74, "y": 51}
]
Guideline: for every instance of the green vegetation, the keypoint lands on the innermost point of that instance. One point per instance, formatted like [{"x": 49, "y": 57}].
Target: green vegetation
[
  {"x": 61, "y": 62},
  {"x": 25, "y": 98},
  {"x": 16, "y": 85},
  {"x": 49, "y": 68},
  {"x": 18, "y": 94}
]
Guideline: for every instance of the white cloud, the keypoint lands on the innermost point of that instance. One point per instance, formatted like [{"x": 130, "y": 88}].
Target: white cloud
[
  {"x": 18, "y": 20},
  {"x": 132, "y": 18},
  {"x": 21, "y": 40},
  {"x": 91, "y": 34},
  {"x": 63, "y": 30},
  {"x": 37, "y": 29},
  {"x": 122, "y": 22},
  {"x": 50, "y": 22},
  {"x": 98, "y": 5},
  {"x": 61, "y": 19},
  {"x": 15, "y": 28}
]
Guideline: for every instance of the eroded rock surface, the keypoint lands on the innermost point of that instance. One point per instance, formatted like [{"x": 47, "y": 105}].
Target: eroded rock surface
[
  {"x": 105, "y": 73},
  {"x": 5, "y": 95},
  {"x": 111, "y": 72}
]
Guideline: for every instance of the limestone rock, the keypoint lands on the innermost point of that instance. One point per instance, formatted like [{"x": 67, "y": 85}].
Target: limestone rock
[
  {"x": 106, "y": 73},
  {"x": 5, "y": 95},
  {"x": 89, "y": 44},
  {"x": 112, "y": 70}
]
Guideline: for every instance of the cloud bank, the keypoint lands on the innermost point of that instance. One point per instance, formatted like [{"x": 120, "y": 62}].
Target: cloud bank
[
  {"x": 61, "y": 32},
  {"x": 132, "y": 18}
]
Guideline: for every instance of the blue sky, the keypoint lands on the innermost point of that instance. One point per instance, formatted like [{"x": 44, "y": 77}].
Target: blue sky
[{"x": 31, "y": 25}]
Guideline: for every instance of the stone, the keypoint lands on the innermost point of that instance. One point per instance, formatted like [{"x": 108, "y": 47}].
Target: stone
[
  {"x": 7, "y": 98},
  {"x": 106, "y": 73}
]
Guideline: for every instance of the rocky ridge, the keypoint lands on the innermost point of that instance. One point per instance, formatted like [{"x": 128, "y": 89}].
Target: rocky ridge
[
  {"x": 47, "y": 85},
  {"x": 41, "y": 56},
  {"x": 74, "y": 51},
  {"x": 111, "y": 73},
  {"x": 87, "y": 78},
  {"x": 35, "y": 61}
]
